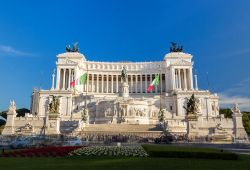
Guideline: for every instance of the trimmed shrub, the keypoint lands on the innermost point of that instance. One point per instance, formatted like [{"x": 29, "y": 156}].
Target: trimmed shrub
[{"x": 188, "y": 152}]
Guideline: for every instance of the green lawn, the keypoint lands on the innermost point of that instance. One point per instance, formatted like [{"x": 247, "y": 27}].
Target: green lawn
[
  {"x": 143, "y": 163},
  {"x": 122, "y": 163}
]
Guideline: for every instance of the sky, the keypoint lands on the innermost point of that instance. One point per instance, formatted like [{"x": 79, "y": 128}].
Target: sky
[{"x": 215, "y": 32}]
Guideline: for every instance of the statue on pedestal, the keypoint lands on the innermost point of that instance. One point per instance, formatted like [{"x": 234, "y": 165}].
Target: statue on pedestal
[
  {"x": 12, "y": 107},
  {"x": 54, "y": 105},
  {"x": 161, "y": 115},
  {"x": 236, "y": 109},
  {"x": 192, "y": 108},
  {"x": 124, "y": 75},
  {"x": 124, "y": 86},
  {"x": 85, "y": 115}
]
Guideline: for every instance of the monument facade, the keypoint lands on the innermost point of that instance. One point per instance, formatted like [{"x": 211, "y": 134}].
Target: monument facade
[{"x": 89, "y": 93}]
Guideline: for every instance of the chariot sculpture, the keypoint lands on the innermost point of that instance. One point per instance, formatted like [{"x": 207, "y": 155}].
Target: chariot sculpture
[
  {"x": 74, "y": 49},
  {"x": 175, "y": 48}
]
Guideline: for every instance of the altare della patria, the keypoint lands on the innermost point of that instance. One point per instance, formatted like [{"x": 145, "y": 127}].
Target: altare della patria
[{"x": 145, "y": 99}]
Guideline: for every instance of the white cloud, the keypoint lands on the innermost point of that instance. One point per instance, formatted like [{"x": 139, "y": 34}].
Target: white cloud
[
  {"x": 228, "y": 102},
  {"x": 10, "y": 51},
  {"x": 240, "y": 93}
]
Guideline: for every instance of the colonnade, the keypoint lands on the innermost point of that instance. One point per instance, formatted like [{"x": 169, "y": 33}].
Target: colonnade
[
  {"x": 182, "y": 79},
  {"x": 104, "y": 83},
  {"x": 138, "y": 83},
  {"x": 64, "y": 77}
]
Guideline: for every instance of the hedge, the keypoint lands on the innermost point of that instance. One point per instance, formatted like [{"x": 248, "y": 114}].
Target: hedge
[{"x": 188, "y": 152}]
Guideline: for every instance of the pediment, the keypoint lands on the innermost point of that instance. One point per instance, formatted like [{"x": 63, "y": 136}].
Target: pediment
[
  {"x": 182, "y": 63},
  {"x": 70, "y": 62},
  {"x": 67, "y": 61}
]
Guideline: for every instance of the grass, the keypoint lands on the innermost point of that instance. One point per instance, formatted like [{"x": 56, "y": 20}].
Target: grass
[
  {"x": 188, "y": 152},
  {"x": 122, "y": 163},
  {"x": 143, "y": 163}
]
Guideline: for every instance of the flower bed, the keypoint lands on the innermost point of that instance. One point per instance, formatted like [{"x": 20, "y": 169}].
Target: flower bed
[
  {"x": 41, "y": 152},
  {"x": 127, "y": 151}
]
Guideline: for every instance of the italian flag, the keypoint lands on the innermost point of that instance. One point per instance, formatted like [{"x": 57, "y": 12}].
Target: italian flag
[
  {"x": 83, "y": 78},
  {"x": 72, "y": 83},
  {"x": 155, "y": 82}
]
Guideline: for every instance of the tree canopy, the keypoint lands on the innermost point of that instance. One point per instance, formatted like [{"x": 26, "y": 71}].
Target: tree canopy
[{"x": 20, "y": 113}]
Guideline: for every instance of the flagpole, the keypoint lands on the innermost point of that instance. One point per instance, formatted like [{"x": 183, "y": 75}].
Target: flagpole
[
  {"x": 85, "y": 106},
  {"x": 160, "y": 84}
]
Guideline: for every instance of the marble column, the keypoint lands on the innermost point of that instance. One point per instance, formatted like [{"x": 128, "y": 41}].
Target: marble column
[
  {"x": 112, "y": 84},
  {"x": 136, "y": 83},
  {"x": 172, "y": 78},
  {"x": 117, "y": 82},
  {"x": 196, "y": 82},
  {"x": 87, "y": 83},
  {"x": 191, "y": 78},
  {"x": 69, "y": 73},
  {"x": 166, "y": 83},
  {"x": 185, "y": 79},
  {"x": 107, "y": 83},
  {"x": 102, "y": 82},
  {"x": 156, "y": 87},
  {"x": 179, "y": 78},
  {"x": 58, "y": 78},
  {"x": 176, "y": 79},
  {"x": 141, "y": 91},
  {"x": 97, "y": 83},
  {"x": 92, "y": 82},
  {"x": 150, "y": 80},
  {"x": 146, "y": 82},
  {"x": 132, "y": 87},
  {"x": 63, "y": 87},
  {"x": 53, "y": 80}
]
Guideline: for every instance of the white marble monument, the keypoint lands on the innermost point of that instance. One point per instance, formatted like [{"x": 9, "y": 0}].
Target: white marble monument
[{"x": 116, "y": 93}]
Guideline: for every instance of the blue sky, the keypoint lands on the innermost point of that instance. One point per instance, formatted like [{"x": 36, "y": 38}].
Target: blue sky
[{"x": 216, "y": 32}]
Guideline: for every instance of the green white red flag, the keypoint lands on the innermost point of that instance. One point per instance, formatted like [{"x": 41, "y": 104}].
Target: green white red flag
[
  {"x": 83, "y": 78},
  {"x": 72, "y": 83},
  {"x": 79, "y": 81},
  {"x": 155, "y": 82}
]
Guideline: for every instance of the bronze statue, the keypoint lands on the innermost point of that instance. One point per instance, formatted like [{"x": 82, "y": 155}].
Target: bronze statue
[
  {"x": 175, "y": 48},
  {"x": 74, "y": 49},
  {"x": 54, "y": 105},
  {"x": 68, "y": 49},
  {"x": 191, "y": 108},
  {"x": 124, "y": 75}
]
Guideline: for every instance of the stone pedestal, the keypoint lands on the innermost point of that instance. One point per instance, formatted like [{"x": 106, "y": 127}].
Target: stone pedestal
[
  {"x": 239, "y": 130},
  {"x": 192, "y": 129},
  {"x": 9, "y": 126},
  {"x": 10, "y": 123},
  {"x": 124, "y": 90},
  {"x": 53, "y": 125}
]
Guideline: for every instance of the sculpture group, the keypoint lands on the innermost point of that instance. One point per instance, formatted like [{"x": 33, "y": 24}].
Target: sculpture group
[{"x": 74, "y": 49}]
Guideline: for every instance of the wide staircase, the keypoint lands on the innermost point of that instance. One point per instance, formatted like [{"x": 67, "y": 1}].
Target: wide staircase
[
  {"x": 123, "y": 129},
  {"x": 69, "y": 127}
]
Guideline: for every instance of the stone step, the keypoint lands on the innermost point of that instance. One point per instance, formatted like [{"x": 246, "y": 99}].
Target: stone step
[
  {"x": 68, "y": 126},
  {"x": 122, "y": 128}
]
